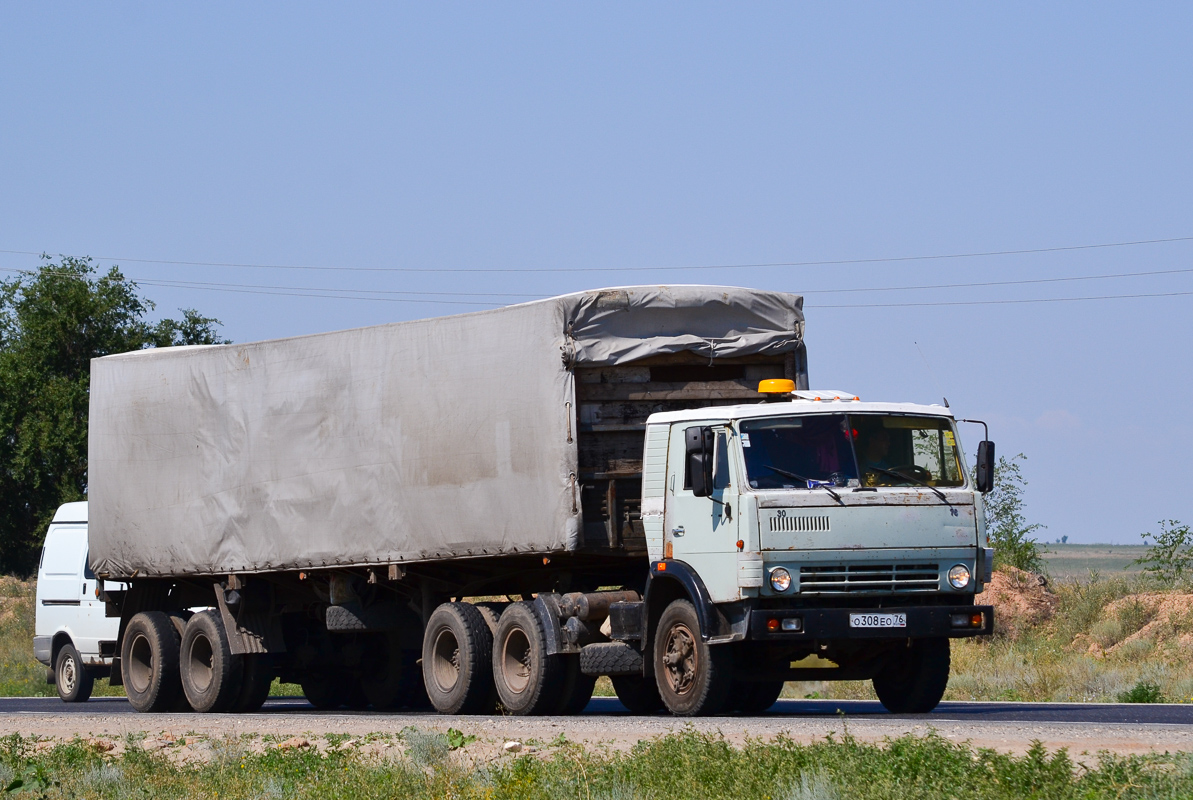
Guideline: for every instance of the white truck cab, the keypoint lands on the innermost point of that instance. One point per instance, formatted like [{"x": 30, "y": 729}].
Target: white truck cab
[
  {"x": 817, "y": 525},
  {"x": 72, "y": 635}
]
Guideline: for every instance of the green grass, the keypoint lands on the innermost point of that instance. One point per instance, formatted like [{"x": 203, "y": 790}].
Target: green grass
[{"x": 680, "y": 765}]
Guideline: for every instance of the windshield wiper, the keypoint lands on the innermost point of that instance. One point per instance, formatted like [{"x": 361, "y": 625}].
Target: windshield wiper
[
  {"x": 811, "y": 484},
  {"x": 895, "y": 474}
]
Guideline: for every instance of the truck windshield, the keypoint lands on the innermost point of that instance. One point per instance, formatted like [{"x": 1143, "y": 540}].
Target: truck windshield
[
  {"x": 788, "y": 452},
  {"x": 850, "y": 450},
  {"x": 896, "y": 450}
]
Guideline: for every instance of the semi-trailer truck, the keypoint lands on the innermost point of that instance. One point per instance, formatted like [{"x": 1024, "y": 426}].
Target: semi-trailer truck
[{"x": 493, "y": 509}]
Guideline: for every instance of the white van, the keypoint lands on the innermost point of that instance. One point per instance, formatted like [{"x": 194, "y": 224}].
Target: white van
[{"x": 71, "y": 634}]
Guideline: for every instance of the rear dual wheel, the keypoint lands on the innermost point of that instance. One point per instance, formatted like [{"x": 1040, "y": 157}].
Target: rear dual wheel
[
  {"x": 458, "y": 660},
  {"x": 149, "y": 662},
  {"x": 211, "y": 675}
]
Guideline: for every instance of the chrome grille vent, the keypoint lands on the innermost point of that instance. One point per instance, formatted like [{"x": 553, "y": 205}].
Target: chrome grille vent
[
  {"x": 799, "y": 524},
  {"x": 869, "y": 578}
]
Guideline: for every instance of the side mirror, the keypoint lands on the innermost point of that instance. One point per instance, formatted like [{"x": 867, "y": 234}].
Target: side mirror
[
  {"x": 985, "y": 472},
  {"x": 698, "y": 443}
]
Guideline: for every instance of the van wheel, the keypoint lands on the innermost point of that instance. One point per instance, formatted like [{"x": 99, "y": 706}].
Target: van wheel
[
  {"x": 211, "y": 675},
  {"x": 528, "y": 679},
  {"x": 458, "y": 660},
  {"x": 693, "y": 678},
  {"x": 638, "y": 694},
  {"x": 914, "y": 679},
  {"x": 73, "y": 680},
  {"x": 149, "y": 662}
]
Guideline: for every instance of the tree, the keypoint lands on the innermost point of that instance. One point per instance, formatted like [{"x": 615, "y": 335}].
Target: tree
[
  {"x": 1010, "y": 534},
  {"x": 53, "y": 321}
]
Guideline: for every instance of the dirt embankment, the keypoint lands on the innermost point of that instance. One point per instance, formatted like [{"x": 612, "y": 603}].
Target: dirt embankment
[{"x": 1021, "y": 601}]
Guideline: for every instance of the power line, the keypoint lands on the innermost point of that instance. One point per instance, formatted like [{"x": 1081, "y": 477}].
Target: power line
[
  {"x": 1007, "y": 302},
  {"x": 420, "y": 297},
  {"x": 835, "y": 262}
]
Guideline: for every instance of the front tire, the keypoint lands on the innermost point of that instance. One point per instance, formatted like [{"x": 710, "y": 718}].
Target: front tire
[
  {"x": 149, "y": 662},
  {"x": 694, "y": 679},
  {"x": 914, "y": 680},
  {"x": 71, "y": 677}
]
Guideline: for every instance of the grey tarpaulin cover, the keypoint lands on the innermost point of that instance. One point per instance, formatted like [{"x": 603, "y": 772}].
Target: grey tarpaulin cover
[{"x": 437, "y": 438}]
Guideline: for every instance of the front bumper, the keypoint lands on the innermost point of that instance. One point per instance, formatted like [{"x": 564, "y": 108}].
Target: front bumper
[{"x": 923, "y": 622}]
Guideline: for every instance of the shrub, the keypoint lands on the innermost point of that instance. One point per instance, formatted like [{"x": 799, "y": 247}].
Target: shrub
[
  {"x": 1142, "y": 692},
  {"x": 1171, "y": 557}
]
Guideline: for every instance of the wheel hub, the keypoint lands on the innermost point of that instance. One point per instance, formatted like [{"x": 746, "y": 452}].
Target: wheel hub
[{"x": 680, "y": 659}]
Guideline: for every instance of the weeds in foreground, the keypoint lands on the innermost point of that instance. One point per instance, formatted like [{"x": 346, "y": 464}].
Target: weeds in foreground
[{"x": 680, "y": 765}]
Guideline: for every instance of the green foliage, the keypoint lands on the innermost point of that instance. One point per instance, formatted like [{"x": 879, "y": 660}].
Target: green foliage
[
  {"x": 456, "y": 739},
  {"x": 1142, "y": 692},
  {"x": 1010, "y": 534},
  {"x": 1171, "y": 557},
  {"x": 687, "y": 764},
  {"x": 53, "y": 321}
]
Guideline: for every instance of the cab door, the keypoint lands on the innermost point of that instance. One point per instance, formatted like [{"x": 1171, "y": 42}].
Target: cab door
[{"x": 703, "y": 531}]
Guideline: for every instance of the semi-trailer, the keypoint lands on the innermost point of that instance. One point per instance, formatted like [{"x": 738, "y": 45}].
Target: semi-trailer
[{"x": 494, "y": 509}]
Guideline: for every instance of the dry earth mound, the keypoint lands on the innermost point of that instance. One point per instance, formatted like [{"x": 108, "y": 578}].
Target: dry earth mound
[
  {"x": 1021, "y": 601},
  {"x": 1138, "y": 622}
]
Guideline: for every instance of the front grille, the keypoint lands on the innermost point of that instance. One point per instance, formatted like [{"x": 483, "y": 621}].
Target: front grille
[
  {"x": 869, "y": 578},
  {"x": 799, "y": 524}
]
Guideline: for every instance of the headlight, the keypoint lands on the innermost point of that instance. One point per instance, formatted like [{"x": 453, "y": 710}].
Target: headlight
[
  {"x": 780, "y": 579},
  {"x": 959, "y": 576}
]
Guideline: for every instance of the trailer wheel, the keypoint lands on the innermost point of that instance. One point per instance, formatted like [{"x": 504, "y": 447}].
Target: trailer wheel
[
  {"x": 211, "y": 675},
  {"x": 638, "y": 694},
  {"x": 149, "y": 662},
  {"x": 754, "y": 697},
  {"x": 577, "y": 687},
  {"x": 528, "y": 679},
  {"x": 457, "y": 660},
  {"x": 914, "y": 680},
  {"x": 693, "y": 678},
  {"x": 254, "y": 684},
  {"x": 71, "y": 677}
]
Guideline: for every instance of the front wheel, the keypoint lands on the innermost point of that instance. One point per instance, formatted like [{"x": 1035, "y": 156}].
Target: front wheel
[
  {"x": 73, "y": 681},
  {"x": 693, "y": 678},
  {"x": 914, "y": 679}
]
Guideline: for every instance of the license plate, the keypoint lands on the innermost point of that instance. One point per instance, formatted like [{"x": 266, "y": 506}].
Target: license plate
[{"x": 878, "y": 620}]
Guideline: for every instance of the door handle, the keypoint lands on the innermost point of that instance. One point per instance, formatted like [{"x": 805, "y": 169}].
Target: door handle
[{"x": 677, "y": 531}]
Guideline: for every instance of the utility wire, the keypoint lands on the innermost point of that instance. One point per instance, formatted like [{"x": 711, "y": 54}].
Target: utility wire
[
  {"x": 366, "y": 292},
  {"x": 837, "y": 262}
]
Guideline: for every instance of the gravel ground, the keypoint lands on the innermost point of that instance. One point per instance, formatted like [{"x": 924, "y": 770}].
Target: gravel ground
[{"x": 618, "y": 732}]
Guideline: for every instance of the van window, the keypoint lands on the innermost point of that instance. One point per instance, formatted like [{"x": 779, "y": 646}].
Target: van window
[{"x": 64, "y": 551}]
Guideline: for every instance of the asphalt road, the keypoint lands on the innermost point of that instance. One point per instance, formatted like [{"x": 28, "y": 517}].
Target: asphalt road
[{"x": 972, "y": 712}]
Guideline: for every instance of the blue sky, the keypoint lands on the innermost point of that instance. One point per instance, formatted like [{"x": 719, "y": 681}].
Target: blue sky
[{"x": 573, "y": 138}]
